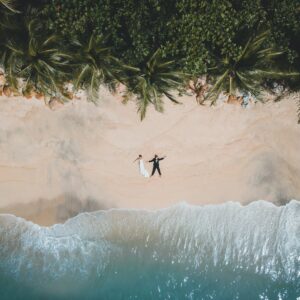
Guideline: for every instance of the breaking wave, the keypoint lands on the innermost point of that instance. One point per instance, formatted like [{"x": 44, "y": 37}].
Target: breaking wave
[{"x": 223, "y": 251}]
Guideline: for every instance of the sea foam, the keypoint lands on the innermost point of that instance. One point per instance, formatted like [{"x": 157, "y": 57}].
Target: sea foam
[{"x": 226, "y": 251}]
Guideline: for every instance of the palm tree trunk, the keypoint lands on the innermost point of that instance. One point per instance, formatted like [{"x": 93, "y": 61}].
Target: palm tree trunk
[
  {"x": 230, "y": 85},
  {"x": 298, "y": 110}
]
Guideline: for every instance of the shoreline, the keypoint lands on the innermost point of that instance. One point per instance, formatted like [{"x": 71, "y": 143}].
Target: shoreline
[
  {"x": 48, "y": 222},
  {"x": 55, "y": 164}
]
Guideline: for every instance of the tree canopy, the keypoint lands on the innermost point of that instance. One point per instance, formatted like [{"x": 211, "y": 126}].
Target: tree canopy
[
  {"x": 193, "y": 30},
  {"x": 94, "y": 40}
]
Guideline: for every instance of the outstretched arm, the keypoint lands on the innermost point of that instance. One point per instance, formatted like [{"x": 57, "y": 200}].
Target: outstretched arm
[
  {"x": 162, "y": 158},
  {"x": 152, "y": 160}
]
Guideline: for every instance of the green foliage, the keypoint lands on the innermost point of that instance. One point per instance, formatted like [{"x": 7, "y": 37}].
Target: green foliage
[
  {"x": 197, "y": 37},
  {"x": 248, "y": 71},
  {"x": 206, "y": 28},
  {"x": 94, "y": 65},
  {"x": 155, "y": 78},
  {"x": 195, "y": 30},
  {"x": 135, "y": 28},
  {"x": 35, "y": 58},
  {"x": 284, "y": 16}
]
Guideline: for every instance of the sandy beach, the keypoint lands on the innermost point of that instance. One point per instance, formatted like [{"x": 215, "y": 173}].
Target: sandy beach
[{"x": 79, "y": 157}]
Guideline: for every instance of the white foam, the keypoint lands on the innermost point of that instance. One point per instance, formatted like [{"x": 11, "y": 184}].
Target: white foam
[{"x": 260, "y": 237}]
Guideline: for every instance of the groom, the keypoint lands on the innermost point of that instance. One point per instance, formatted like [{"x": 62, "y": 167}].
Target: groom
[{"x": 155, "y": 161}]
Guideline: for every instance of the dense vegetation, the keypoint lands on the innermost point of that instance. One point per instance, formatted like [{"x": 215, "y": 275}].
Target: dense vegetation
[{"x": 151, "y": 46}]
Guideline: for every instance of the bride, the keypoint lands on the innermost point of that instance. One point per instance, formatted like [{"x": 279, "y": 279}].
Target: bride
[{"x": 143, "y": 170}]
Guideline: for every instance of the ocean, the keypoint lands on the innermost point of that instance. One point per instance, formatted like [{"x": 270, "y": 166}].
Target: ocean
[{"x": 226, "y": 251}]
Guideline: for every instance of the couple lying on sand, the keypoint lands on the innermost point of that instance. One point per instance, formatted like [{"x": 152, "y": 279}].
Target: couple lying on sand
[{"x": 155, "y": 160}]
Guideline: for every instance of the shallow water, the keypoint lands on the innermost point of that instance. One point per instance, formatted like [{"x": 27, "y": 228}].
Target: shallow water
[{"x": 183, "y": 252}]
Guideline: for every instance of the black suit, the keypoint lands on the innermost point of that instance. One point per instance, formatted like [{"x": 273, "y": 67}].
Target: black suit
[{"x": 155, "y": 161}]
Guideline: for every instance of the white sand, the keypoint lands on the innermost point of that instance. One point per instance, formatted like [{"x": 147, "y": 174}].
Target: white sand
[{"x": 85, "y": 153}]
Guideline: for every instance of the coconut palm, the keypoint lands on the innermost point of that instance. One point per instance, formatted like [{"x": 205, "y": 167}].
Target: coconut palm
[
  {"x": 248, "y": 72},
  {"x": 95, "y": 65},
  {"x": 34, "y": 57},
  {"x": 155, "y": 78}
]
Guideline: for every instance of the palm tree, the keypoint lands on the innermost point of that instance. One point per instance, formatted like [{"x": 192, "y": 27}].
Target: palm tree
[
  {"x": 34, "y": 57},
  {"x": 95, "y": 65},
  {"x": 248, "y": 72},
  {"x": 155, "y": 78}
]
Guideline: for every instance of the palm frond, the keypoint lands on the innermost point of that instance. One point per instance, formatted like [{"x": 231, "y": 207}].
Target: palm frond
[
  {"x": 95, "y": 65},
  {"x": 82, "y": 75},
  {"x": 10, "y": 5},
  {"x": 171, "y": 97},
  {"x": 35, "y": 58},
  {"x": 156, "y": 78},
  {"x": 249, "y": 71},
  {"x": 215, "y": 91}
]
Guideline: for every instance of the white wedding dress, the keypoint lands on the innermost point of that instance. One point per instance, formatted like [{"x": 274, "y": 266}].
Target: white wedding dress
[{"x": 143, "y": 170}]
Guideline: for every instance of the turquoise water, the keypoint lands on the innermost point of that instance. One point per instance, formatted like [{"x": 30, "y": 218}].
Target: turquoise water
[{"x": 183, "y": 252}]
